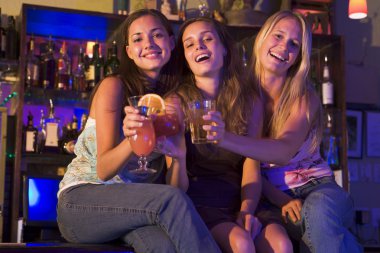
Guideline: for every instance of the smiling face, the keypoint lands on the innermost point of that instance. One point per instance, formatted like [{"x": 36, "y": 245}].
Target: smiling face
[
  {"x": 149, "y": 45},
  {"x": 203, "y": 49},
  {"x": 281, "y": 47}
]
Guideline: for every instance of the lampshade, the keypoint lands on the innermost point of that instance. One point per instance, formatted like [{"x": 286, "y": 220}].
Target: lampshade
[{"x": 357, "y": 9}]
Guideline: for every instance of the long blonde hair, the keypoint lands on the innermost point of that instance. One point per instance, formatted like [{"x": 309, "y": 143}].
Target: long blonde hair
[{"x": 297, "y": 84}]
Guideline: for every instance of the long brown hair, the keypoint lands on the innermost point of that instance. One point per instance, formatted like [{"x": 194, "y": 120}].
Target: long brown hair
[
  {"x": 134, "y": 80},
  {"x": 235, "y": 97},
  {"x": 297, "y": 84}
]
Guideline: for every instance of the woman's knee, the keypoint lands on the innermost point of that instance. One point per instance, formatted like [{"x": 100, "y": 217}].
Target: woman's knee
[
  {"x": 242, "y": 242},
  {"x": 274, "y": 238}
]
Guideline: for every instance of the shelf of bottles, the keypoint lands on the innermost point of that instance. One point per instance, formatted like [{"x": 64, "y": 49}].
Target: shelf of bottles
[
  {"x": 327, "y": 74},
  {"x": 61, "y": 74}
]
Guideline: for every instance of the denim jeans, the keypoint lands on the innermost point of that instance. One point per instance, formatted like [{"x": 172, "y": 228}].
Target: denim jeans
[
  {"x": 327, "y": 212},
  {"x": 149, "y": 217}
]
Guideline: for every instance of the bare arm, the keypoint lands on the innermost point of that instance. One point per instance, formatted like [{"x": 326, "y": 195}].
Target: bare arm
[
  {"x": 176, "y": 160},
  {"x": 285, "y": 146},
  {"x": 113, "y": 150}
]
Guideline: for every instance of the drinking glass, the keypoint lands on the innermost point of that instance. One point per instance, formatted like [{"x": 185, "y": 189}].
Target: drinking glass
[
  {"x": 166, "y": 124},
  {"x": 197, "y": 110},
  {"x": 144, "y": 141}
]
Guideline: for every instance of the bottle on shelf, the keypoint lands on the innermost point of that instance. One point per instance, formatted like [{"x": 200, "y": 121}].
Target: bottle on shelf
[
  {"x": 327, "y": 87},
  {"x": 51, "y": 130},
  {"x": 47, "y": 71},
  {"x": 3, "y": 38},
  {"x": 83, "y": 121},
  {"x": 63, "y": 73},
  {"x": 11, "y": 52},
  {"x": 32, "y": 66},
  {"x": 330, "y": 139},
  {"x": 30, "y": 136},
  {"x": 41, "y": 136},
  {"x": 79, "y": 83},
  {"x": 95, "y": 69},
  {"x": 330, "y": 142},
  {"x": 70, "y": 137},
  {"x": 112, "y": 63}
]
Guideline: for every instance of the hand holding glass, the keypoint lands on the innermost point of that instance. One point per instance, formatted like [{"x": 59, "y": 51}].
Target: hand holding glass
[
  {"x": 144, "y": 141},
  {"x": 197, "y": 110}
]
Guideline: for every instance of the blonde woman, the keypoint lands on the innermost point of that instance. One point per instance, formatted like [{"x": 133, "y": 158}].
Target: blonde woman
[{"x": 300, "y": 188}]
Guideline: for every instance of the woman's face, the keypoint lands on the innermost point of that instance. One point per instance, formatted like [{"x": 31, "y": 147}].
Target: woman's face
[
  {"x": 203, "y": 49},
  {"x": 149, "y": 45},
  {"x": 281, "y": 47}
]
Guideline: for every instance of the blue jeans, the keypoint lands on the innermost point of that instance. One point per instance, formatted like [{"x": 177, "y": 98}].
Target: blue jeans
[
  {"x": 149, "y": 217},
  {"x": 327, "y": 211}
]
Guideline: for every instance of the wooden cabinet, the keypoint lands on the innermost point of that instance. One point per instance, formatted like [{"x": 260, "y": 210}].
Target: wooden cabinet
[{"x": 76, "y": 28}]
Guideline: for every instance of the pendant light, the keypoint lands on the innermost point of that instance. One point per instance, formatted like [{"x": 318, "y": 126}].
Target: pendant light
[{"x": 357, "y": 9}]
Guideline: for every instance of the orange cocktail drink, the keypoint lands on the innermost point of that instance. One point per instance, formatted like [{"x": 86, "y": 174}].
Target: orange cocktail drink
[{"x": 144, "y": 141}]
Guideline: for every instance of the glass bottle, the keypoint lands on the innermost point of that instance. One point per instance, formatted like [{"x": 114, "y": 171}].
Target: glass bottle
[
  {"x": 52, "y": 130},
  {"x": 71, "y": 136},
  {"x": 333, "y": 153},
  {"x": 327, "y": 87},
  {"x": 11, "y": 51},
  {"x": 32, "y": 66},
  {"x": 41, "y": 136},
  {"x": 95, "y": 72},
  {"x": 30, "y": 136},
  {"x": 62, "y": 80},
  {"x": 79, "y": 83},
  {"x": 47, "y": 74},
  {"x": 83, "y": 121},
  {"x": 113, "y": 63}
]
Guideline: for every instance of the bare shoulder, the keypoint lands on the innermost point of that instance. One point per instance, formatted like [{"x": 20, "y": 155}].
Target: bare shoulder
[
  {"x": 110, "y": 85},
  {"x": 109, "y": 95}
]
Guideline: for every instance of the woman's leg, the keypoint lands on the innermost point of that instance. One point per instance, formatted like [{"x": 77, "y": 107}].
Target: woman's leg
[
  {"x": 149, "y": 239},
  {"x": 273, "y": 238},
  {"x": 100, "y": 213},
  {"x": 327, "y": 212},
  {"x": 233, "y": 238}
]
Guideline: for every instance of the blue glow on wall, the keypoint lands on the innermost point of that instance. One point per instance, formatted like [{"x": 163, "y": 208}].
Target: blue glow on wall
[
  {"x": 68, "y": 25},
  {"x": 42, "y": 195}
]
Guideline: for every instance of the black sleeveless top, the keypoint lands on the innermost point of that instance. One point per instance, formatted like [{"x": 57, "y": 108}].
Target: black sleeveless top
[{"x": 215, "y": 175}]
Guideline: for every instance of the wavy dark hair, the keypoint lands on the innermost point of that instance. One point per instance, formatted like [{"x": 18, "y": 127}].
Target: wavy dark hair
[
  {"x": 236, "y": 95},
  {"x": 135, "y": 81}
]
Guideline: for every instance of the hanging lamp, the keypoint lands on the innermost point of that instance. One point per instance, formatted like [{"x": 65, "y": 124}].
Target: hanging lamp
[{"x": 357, "y": 9}]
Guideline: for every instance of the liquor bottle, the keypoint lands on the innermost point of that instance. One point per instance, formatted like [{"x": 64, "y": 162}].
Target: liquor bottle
[
  {"x": 30, "y": 136},
  {"x": 41, "y": 136},
  {"x": 32, "y": 66},
  {"x": 47, "y": 71},
  {"x": 333, "y": 153},
  {"x": 83, "y": 121},
  {"x": 11, "y": 51},
  {"x": 330, "y": 139},
  {"x": 3, "y": 39},
  {"x": 112, "y": 63},
  {"x": 70, "y": 137},
  {"x": 63, "y": 73},
  {"x": 79, "y": 83},
  {"x": 52, "y": 131},
  {"x": 95, "y": 70},
  {"x": 327, "y": 87}
]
